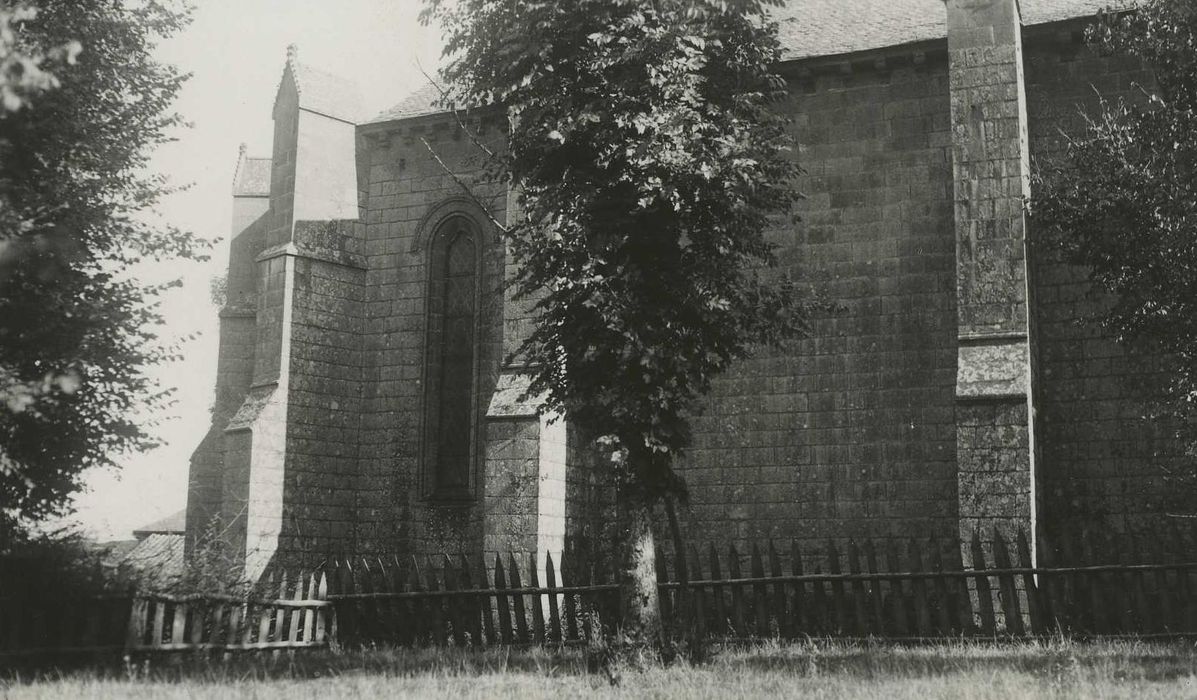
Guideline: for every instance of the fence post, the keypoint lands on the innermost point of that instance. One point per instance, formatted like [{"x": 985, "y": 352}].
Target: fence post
[
  {"x": 737, "y": 590},
  {"x": 699, "y": 595},
  {"x": 1097, "y": 604},
  {"x": 296, "y": 613},
  {"x": 758, "y": 594},
  {"x": 322, "y": 618},
  {"x": 472, "y": 606},
  {"x": 837, "y": 588},
  {"x": 550, "y": 576},
  {"x": 488, "y": 620},
  {"x": 801, "y": 619},
  {"x": 501, "y": 600},
  {"x": 664, "y": 596},
  {"x": 722, "y": 623},
  {"x": 780, "y": 610},
  {"x": 858, "y": 591},
  {"x": 521, "y": 613},
  {"x": 309, "y": 621},
  {"x": 1009, "y": 592},
  {"x": 537, "y": 599},
  {"x": 456, "y": 601},
  {"x": 922, "y": 611},
  {"x": 875, "y": 588},
  {"x": 984, "y": 590},
  {"x": 1163, "y": 592},
  {"x": 1051, "y": 587},
  {"x": 897, "y": 592},
  {"x": 1034, "y": 594}
]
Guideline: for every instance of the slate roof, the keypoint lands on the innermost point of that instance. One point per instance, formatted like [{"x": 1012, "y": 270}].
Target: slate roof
[
  {"x": 327, "y": 93},
  {"x": 810, "y": 28},
  {"x": 415, "y": 104},
  {"x": 252, "y": 177},
  {"x": 323, "y": 92},
  {"x": 157, "y": 559},
  {"x": 173, "y": 524}
]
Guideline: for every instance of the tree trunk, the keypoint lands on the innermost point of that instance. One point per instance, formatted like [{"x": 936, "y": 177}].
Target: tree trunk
[{"x": 639, "y": 604}]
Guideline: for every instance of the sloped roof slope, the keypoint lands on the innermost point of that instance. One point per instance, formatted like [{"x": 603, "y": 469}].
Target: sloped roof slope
[
  {"x": 809, "y": 28},
  {"x": 252, "y": 178},
  {"x": 174, "y": 524},
  {"x": 418, "y": 102},
  {"x": 323, "y": 92},
  {"x": 157, "y": 560}
]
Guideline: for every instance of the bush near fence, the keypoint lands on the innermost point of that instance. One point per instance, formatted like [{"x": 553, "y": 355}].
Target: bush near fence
[{"x": 40, "y": 619}]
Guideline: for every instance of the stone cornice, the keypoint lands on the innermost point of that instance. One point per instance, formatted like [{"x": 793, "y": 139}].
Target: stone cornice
[{"x": 334, "y": 257}]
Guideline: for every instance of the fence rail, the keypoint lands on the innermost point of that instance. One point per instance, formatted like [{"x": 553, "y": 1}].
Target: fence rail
[
  {"x": 297, "y": 618},
  {"x": 916, "y": 589},
  {"x": 921, "y": 590},
  {"x": 40, "y": 624}
]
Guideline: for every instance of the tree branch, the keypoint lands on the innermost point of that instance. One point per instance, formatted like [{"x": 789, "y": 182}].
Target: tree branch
[{"x": 465, "y": 187}]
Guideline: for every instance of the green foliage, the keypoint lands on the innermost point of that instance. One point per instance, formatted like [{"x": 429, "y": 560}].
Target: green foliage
[
  {"x": 24, "y": 69},
  {"x": 649, "y": 162},
  {"x": 62, "y": 563},
  {"x": 1122, "y": 201},
  {"x": 214, "y": 565},
  {"x": 76, "y": 328}
]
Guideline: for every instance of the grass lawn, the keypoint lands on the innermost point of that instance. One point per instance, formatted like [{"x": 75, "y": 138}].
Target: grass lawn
[{"x": 1060, "y": 669}]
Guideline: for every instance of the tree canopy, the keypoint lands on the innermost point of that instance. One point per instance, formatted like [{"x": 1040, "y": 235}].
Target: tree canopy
[
  {"x": 649, "y": 162},
  {"x": 1122, "y": 199},
  {"x": 77, "y": 328}
]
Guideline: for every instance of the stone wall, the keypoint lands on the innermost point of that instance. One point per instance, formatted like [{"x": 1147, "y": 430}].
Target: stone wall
[
  {"x": 850, "y": 433},
  {"x": 324, "y": 394},
  {"x": 406, "y": 190},
  {"x": 234, "y": 374}
]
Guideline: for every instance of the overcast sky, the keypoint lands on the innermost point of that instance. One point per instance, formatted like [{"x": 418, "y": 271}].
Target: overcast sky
[{"x": 236, "y": 50}]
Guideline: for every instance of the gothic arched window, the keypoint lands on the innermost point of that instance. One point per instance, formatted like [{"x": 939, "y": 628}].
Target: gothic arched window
[{"x": 451, "y": 352}]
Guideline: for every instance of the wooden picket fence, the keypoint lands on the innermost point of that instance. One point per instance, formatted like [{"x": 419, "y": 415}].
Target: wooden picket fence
[
  {"x": 45, "y": 623},
  {"x": 1087, "y": 584},
  {"x": 298, "y": 618},
  {"x": 427, "y": 601},
  {"x": 916, "y": 591}
]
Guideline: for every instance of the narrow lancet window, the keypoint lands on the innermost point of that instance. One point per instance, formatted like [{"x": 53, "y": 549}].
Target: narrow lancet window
[{"x": 451, "y": 411}]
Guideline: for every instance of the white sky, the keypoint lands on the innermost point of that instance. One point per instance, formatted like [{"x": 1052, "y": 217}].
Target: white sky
[{"x": 236, "y": 50}]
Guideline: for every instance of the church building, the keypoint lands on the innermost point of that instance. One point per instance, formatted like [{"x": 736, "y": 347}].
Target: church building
[{"x": 363, "y": 405}]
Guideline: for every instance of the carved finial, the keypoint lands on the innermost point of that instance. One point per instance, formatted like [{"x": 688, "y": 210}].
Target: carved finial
[
  {"x": 242, "y": 149},
  {"x": 292, "y": 53}
]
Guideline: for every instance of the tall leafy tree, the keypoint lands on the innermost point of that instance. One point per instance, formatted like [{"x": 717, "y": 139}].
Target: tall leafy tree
[
  {"x": 1122, "y": 199},
  {"x": 649, "y": 163},
  {"x": 85, "y": 103}
]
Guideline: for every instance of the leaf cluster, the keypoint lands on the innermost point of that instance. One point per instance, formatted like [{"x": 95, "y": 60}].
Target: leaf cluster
[
  {"x": 76, "y": 328},
  {"x": 650, "y": 158},
  {"x": 1122, "y": 199}
]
